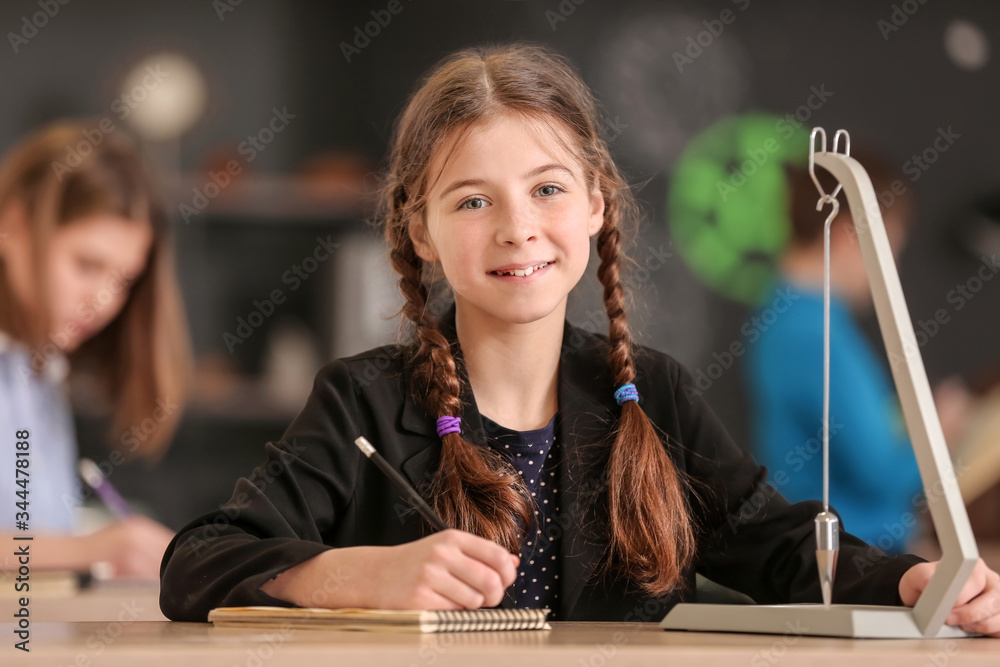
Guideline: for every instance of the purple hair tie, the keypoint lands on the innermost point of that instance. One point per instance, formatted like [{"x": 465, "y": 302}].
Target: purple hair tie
[
  {"x": 446, "y": 425},
  {"x": 625, "y": 393}
]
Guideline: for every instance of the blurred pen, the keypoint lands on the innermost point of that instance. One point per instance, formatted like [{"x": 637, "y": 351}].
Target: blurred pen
[{"x": 92, "y": 475}]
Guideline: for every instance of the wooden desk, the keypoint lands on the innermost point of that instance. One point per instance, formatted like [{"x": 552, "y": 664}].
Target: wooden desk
[
  {"x": 155, "y": 644},
  {"x": 103, "y": 602}
]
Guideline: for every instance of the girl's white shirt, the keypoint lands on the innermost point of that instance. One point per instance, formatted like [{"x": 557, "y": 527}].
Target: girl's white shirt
[{"x": 39, "y": 404}]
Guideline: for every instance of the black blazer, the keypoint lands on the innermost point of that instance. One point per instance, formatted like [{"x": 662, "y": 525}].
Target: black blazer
[{"x": 315, "y": 491}]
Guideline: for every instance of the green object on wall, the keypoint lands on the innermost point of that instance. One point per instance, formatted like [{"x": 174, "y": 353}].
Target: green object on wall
[{"x": 728, "y": 203}]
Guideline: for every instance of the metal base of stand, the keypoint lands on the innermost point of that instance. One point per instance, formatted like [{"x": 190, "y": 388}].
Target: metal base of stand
[{"x": 839, "y": 620}]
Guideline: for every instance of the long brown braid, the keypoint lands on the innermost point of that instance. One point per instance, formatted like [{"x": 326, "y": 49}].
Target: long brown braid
[
  {"x": 651, "y": 536},
  {"x": 473, "y": 489}
]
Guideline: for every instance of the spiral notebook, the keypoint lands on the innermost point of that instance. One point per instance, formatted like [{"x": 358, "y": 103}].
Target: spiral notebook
[{"x": 465, "y": 620}]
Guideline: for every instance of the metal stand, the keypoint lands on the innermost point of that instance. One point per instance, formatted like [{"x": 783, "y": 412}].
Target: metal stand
[{"x": 959, "y": 551}]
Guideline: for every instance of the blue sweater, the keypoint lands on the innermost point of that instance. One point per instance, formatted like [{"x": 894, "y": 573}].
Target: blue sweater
[{"x": 874, "y": 479}]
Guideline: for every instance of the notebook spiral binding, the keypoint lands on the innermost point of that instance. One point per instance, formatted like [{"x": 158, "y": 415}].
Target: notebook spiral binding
[{"x": 467, "y": 620}]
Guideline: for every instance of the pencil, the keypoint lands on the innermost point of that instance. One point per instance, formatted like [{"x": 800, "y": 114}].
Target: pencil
[
  {"x": 425, "y": 510},
  {"x": 411, "y": 494}
]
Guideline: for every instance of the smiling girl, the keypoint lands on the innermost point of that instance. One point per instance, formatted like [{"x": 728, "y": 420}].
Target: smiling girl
[
  {"x": 86, "y": 281},
  {"x": 571, "y": 468}
]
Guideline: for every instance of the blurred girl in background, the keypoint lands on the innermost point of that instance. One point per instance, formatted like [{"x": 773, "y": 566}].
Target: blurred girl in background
[{"x": 86, "y": 281}]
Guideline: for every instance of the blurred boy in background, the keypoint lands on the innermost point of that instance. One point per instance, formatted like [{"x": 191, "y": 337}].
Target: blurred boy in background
[{"x": 874, "y": 480}]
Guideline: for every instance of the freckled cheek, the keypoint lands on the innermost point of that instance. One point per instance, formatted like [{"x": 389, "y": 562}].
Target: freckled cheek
[
  {"x": 569, "y": 221},
  {"x": 577, "y": 254},
  {"x": 458, "y": 255},
  {"x": 457, "y": 273},
  {"x": 570, "y": 228},
  {"x": 559, "y": 218}
]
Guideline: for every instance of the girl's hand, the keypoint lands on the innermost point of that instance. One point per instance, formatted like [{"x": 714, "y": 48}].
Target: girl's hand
[
  {"x": 977, "y": 608},
  {"x": 133, "y": 546},
  {"x": 451, "y": 569}
]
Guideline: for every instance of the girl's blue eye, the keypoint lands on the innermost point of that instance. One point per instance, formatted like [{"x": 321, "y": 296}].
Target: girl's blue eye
[
  {"x": 478, "y": 203},
  {"x": 481, "y": 201}
]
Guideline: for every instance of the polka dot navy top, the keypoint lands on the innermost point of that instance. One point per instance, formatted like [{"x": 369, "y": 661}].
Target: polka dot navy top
[{"x": 536, "y": 458}]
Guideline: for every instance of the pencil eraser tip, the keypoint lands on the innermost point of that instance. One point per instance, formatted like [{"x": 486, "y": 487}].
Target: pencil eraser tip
[{"x": 365, "y": 446}]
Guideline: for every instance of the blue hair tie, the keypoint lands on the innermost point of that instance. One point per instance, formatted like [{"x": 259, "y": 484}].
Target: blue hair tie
[{"x": 626, "y": 392}]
